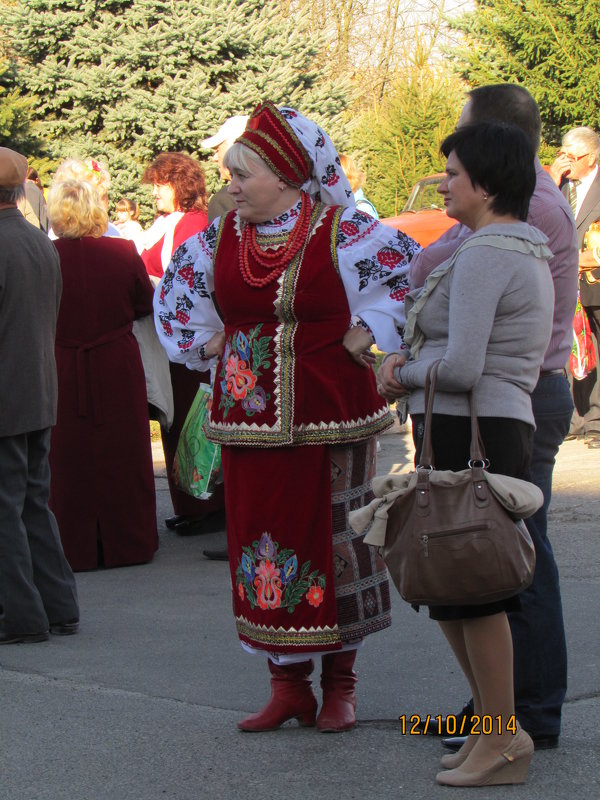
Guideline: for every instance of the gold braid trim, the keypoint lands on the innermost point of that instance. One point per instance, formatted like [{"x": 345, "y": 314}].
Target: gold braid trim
[
  {"x": 335, "y": 226},
  {"x": 259, "y": 152},
  {"x": 288, "y": 637}
]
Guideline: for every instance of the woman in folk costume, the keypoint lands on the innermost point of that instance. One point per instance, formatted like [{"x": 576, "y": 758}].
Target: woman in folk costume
[
  {"x": 295, "y": 404},
  {"x": 179, "y": 192}
]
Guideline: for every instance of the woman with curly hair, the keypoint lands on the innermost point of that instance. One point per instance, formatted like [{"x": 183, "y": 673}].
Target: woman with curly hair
[{"x": 179, "y": 193}]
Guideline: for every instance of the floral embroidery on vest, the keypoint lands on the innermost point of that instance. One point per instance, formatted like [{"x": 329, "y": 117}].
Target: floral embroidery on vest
[
  {"x": 271, "y": 578},
  {"x": 241, "y": 367}
]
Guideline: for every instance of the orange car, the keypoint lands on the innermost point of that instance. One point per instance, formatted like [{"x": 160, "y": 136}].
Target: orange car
[{"x": 423, "y": 217}]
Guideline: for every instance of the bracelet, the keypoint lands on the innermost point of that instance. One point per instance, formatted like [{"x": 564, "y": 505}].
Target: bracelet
[
  {"x": 202, "y": 351},
  {"x": 356, "y": 321}
]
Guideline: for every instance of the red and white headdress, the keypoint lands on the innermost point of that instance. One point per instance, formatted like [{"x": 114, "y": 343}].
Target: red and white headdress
[{"x": 298, "y": 151}]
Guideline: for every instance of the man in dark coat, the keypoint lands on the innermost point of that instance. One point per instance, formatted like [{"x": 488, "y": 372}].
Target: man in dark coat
[
  {"x": 575, "y": 170},
  {"x": 37, "y": 588}
]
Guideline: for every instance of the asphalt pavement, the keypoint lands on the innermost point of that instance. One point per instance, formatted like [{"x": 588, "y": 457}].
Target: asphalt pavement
[{"x": 142, "y": 704}]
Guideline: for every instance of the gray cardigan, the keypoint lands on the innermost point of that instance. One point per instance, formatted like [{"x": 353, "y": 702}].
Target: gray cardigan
[{"x": 489, "y": 318}]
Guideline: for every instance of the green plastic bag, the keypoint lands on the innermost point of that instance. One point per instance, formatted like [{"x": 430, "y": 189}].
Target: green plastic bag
[{"x": 197, "y": 463}]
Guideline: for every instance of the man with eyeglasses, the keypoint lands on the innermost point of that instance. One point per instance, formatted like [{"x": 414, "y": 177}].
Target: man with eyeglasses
[{"x": 575, "y": 171}]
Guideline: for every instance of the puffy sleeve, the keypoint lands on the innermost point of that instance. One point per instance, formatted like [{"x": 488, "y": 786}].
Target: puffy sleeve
[
  {"x": 184, "y": 312},
  {"x": 373, "y": 261}
]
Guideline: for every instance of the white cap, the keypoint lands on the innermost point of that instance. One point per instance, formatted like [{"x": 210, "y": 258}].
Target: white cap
[{"x": 229, "y": 131}]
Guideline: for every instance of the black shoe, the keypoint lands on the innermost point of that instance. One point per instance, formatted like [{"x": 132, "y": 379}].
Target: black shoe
[
  {"x": 447, "y": 726},
  {"x": 542, "y": 741},
  {"x": 172, "y": 522},
  {"x": 545, "y": 741},
  {"x": 211, "y": 523},
  {"x": 23, "y": 638},
  {"x": 454, "y": 742},
  {"x": 67, "y": 628},
  {"x": 217, "y": 555}
]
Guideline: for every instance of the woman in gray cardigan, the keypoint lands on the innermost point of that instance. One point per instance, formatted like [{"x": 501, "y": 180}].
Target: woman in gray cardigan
[{"x": 487, "y": 314}]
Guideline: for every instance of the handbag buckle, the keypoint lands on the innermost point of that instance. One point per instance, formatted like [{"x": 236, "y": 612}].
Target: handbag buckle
[{"x": 478, "y": 463}]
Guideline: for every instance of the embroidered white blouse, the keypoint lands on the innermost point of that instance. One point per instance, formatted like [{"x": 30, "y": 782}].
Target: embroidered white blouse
[{"x": 373, "y": 261}]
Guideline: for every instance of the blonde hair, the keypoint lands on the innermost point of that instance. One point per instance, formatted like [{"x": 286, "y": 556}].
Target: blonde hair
[
  {"x": 243, "y": 158},
  {"x": 88, "y": 171},
  {"x": 356, "y": 177},
  {"x": 75, "y": 210}
]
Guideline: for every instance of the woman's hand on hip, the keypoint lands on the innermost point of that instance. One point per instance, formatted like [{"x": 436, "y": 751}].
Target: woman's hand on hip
[
  {"x": 358, "y": 342},
  {"x": 215, "y": 345}
]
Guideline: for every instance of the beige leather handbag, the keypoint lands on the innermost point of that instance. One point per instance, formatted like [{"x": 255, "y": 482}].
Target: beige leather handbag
[{"x": 453, "y": 542}]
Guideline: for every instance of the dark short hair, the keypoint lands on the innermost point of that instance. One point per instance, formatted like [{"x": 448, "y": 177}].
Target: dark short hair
[
  {"x": 500, "y": 159},
  {"x": 510, "y": 103},
  {"x": 185, "y": 175}
]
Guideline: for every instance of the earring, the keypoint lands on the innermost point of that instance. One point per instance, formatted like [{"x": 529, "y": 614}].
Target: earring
[{"x": 485, "y": 195}]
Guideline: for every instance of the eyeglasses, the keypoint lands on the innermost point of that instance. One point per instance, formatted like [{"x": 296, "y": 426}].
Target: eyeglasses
[{"x": 573, "y": 158}]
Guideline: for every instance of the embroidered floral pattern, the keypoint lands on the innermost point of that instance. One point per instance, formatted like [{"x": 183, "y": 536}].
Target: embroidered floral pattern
[
  {"x": 181, "y": 271},
  {"x": 378, "y": 268},
  {"x": 243, "y": 359},
  {"x": 165, "y": 320},
  {"x": 271, "y": 578},
  {"x": 183, "y": 307},
  {"x": 331, "y": 177},
  {"x": 315, "y": 596},
  {"x": 398, "y": 286}
]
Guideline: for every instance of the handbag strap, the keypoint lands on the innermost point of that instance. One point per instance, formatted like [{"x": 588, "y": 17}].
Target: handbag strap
[{"x": 476, "y": 450}]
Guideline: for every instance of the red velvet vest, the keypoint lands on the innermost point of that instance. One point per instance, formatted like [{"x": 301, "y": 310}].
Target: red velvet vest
[
  {"x": 192, "y": 222},
  {"x": 285, "y": 377}
]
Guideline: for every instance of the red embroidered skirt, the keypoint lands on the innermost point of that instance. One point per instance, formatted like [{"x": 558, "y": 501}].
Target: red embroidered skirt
[{"x": 302, "y": 580}]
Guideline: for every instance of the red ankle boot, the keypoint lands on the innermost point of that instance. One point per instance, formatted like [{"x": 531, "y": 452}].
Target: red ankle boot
[
  {"x": 338, "y": 680},
  {"x": 291, "y": 696}
]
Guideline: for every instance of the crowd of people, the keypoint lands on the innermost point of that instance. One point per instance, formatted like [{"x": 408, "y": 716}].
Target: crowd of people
[{"x": 274, "y": 292}]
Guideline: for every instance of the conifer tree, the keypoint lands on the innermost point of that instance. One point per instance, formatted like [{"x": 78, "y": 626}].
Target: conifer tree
[
  {"x": 15, "y": 115},
  {"x": 552, "y": 47},
  {"x": 125, "y": 79},
  {"x": 398, "y": 141}
]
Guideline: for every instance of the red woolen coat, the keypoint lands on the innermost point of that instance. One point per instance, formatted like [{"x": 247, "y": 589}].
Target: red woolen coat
[{"x": 102, "y": 483}]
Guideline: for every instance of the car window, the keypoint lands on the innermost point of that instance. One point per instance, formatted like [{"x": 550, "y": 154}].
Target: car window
[{"x": 425, "y": 195}]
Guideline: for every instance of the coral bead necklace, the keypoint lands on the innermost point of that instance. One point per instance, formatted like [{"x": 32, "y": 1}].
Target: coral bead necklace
[{"x": 275, "y": 261}]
